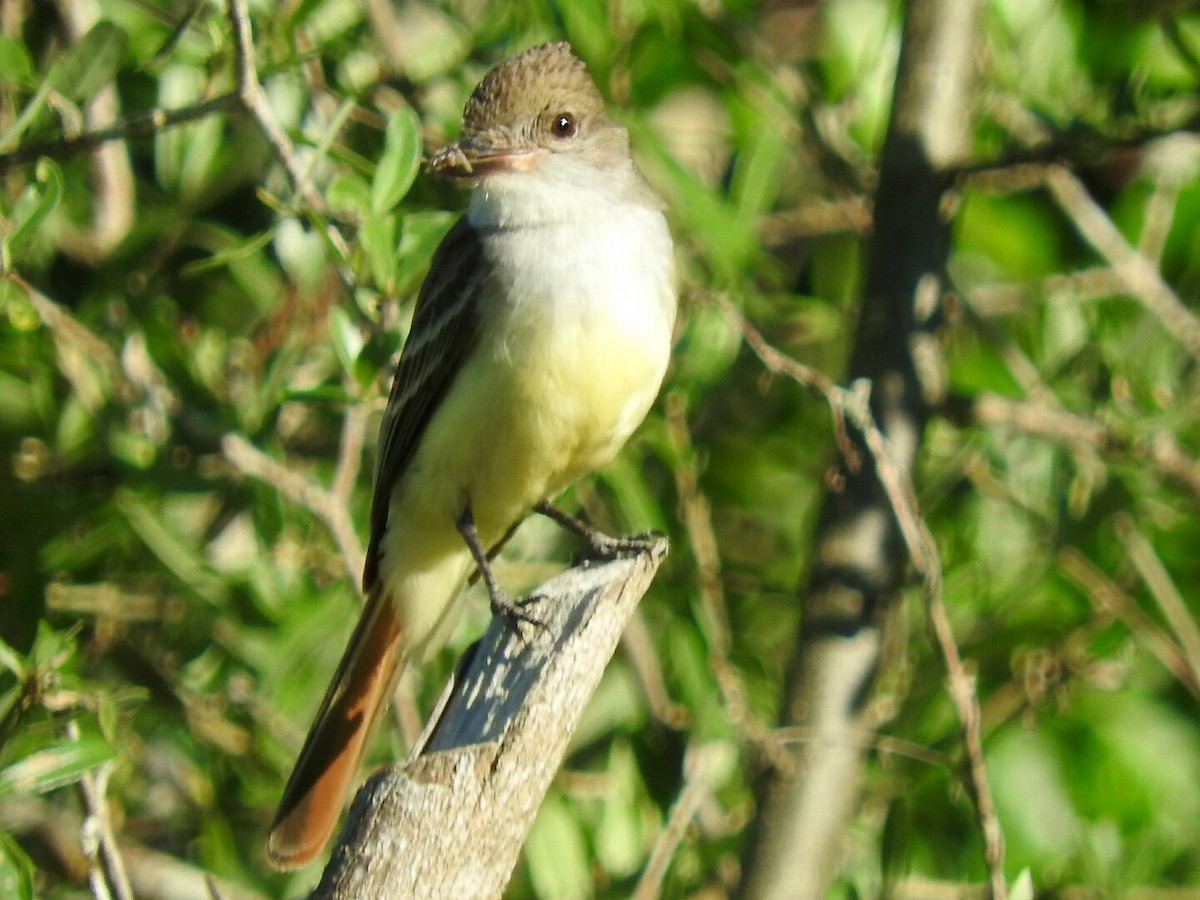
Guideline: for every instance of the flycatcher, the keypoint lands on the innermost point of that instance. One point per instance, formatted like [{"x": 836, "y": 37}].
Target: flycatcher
[{"x": 539, "y": 341}]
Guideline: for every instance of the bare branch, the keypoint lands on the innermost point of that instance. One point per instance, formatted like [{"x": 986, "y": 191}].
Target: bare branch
[
  {"x": 815, "y": 218},
  {"x": 325, "y": 504},
  {"x": 868, "y": 518},
  {"x": 922, "y": 551},
  {"x": 1140, "y": 275},
  {"x": 254, "y": 99},
  {"x": 1110, "y": 602},
  {"x": 1075, "y": 431},
  {"x": 106, "y": 865},
  {"x": 1158, "y": 580},
  {"x": 698, "y": 765},
  {"x": 153, "y": 875},
  {"x": 638, "y": 645},
  {"x": 451, "y": 820},
  {"x": 143, "y": 124},
  {"x": 850, "y": 406}
]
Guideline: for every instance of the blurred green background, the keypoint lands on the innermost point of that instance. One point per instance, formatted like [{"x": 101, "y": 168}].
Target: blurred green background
[{"x": 170, "y": 621}]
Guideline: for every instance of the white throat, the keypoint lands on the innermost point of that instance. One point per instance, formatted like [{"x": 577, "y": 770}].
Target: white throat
[{"x": 574, "y": 243}]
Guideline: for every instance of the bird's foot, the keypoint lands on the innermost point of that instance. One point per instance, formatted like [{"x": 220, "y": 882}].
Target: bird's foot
[
  {"x": 516, "y": 611},
  {"x": 598, "y": 544}
]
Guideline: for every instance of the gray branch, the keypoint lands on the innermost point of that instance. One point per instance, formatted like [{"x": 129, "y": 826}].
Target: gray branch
[
  {"x": 451, "y": 820},
  {"x": 859, "y": 558}
]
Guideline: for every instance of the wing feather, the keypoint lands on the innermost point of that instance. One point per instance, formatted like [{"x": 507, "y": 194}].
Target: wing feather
[{"x": 445, "y": 329}]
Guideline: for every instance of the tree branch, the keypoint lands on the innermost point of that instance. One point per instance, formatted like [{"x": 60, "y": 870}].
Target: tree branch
[
  {"x": 330, "y": 505},
  {"x": 859, "y": 558},
  {"x": 1135, "y": 269},
  {"x": 451, "y": 820}
]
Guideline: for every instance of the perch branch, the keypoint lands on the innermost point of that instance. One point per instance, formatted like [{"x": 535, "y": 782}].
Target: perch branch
[{"x": 450, "y": 821}]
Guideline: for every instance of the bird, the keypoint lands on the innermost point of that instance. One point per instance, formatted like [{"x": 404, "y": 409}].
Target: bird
[{"x": 539, "y": 341}]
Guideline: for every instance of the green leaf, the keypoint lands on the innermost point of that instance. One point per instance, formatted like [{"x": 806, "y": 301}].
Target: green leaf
[
  {"x": 56, "y": 766},
  {"x": 301, "y": 251},
  {"x": 178, "y": 556},
  {"x": 225, "y": 258},
  {"x": 11, "y": 660},
  {"x": 378, "y": 242},
  {"x": 52, "y": 649},
  {"x": 16, "y": 870},
  {"x": 90, "y": 64},
  {"x": 349, "y": 194},
  {"x": 401, "y": 159},
  {"x": 35, "y": 203},
  {"x": 556, "y": 853},
  {"x": 347, "y": 338},
  {"x": 620, "y": 839},
  {"x": 1022, "y": 887},
  {"x": 16, "y": 66},
  {"x": 78, "y": 76}
]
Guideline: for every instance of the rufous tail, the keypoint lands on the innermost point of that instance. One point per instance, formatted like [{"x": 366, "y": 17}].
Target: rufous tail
[{"x": 316, "y": 792}]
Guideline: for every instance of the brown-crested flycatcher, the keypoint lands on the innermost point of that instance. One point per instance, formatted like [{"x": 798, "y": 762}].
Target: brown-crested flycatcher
[{"x": 539, "y": 341}]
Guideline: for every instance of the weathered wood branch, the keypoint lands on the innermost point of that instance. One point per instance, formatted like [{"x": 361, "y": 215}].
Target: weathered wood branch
[{"x": 450, "y": 821}]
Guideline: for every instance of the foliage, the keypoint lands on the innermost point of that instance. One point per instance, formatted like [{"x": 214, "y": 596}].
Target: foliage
[{"x": 170, "y": 618}]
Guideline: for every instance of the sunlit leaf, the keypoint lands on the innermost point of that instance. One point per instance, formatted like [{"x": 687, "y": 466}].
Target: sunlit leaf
[
  {"x": 401, "y": 160},
  {"x": 347, "y": 337},
  {"x": 56, "y": 766},
  {"x": 349, "y": 193}
]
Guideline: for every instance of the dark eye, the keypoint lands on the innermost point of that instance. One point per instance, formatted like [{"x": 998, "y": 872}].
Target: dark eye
[{"x": 563, "y": 125}]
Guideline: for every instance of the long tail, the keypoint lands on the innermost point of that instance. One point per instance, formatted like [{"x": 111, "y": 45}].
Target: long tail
[{"x": 313, "y": 798}]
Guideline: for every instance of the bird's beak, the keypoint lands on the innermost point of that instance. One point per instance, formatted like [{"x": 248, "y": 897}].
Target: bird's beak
[{"x": 471, "y": 160}]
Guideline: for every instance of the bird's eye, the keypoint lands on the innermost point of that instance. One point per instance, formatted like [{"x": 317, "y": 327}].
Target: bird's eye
[{"x": 563, "y": 125}]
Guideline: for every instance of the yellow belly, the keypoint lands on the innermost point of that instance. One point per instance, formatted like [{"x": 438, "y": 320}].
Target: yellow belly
[{"x": 532, "y": 411}]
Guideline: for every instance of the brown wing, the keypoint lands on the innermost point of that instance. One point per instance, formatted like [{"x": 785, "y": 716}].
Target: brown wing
[{"x": 445, "y": 330}]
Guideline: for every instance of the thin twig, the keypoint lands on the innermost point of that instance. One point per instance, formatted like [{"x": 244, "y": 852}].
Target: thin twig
[
  {"x": 135, "y": 126},
  {"x": 1110, "y": 602},
  {"x": 851, "y": 405},
  {"x": 1051, "y": 423},
  {"x": 1074, "y": 152},
  {"x": 884, "y": 745},
  {"x": 345, "y": 475},
  {"x": 1163, "y": 589},
  {"x": 153, "y": 874},
  {"x": 254, "y": 99},
  {"x": 84, "y": 359},
  {"x": 1165, "y": 452},
  {"x": 1076, "y": 431},
  {"x": 698, "y": 765},
  {"x": 991, "y": 301},
  {"x": 349, "y": 460},
  {"x": 815, "y": 218},
  {"x": 108, "y": 876},
  {"x": 923, "y": 552},
  {"x": 817, "y": 382},
  {"x": 1139, "y": 273},
  {"x": 323, "y": 503},
  {"x": 697, "y": 520},
  {"x": 638, "y": 645}
]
